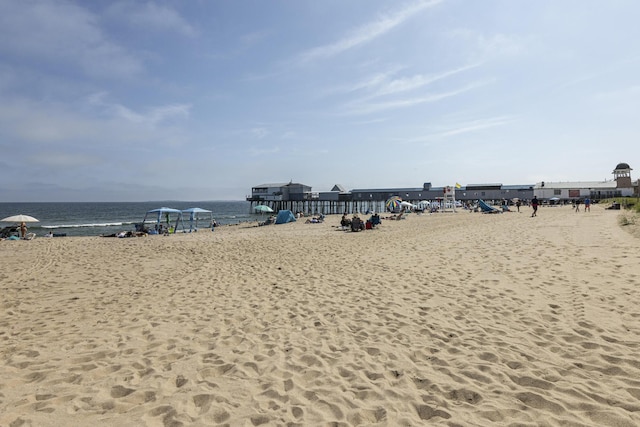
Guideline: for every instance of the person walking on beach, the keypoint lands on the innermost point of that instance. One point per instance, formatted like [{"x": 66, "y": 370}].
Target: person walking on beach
[
  {"x": 518, "y": 203},
  {"x": 534, "y": 205},
  {"x": 587, "y": 205},
  {"x": 578, "y": 205}
]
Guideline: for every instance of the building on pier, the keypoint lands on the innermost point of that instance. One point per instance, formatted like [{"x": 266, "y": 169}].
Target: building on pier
[{"x": 301, "y": 198}]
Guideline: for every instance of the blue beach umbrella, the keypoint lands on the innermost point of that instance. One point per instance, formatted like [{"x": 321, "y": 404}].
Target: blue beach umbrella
[{"x": 263, "y": 209}]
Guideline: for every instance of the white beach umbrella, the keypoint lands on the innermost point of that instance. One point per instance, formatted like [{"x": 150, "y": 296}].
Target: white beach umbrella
[{"x": 19, "y": 218}]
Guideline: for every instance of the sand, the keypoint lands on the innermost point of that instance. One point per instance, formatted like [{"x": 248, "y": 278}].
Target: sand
[{"x": 448, "y": 319}]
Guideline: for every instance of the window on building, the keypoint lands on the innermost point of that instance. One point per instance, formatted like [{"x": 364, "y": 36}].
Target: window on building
[{"x": 557, "y": 192}]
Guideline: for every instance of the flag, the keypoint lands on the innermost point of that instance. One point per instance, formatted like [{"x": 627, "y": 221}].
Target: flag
[{"x": 458, "y": 185}]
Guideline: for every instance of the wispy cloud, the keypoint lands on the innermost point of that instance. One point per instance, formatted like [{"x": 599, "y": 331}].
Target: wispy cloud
[
  {"x": 407, "y": 84},
  {"x": 262, "y": 151},
  {"x": 64, "y": 33},
  {"x": 461, "y": 127},
  {"x": 366, "y": 32},
  {"x": 259, "y": 132},
  {"x": 152, "y": 116},
  {"x": 151, "y": 16},
  {"x": 362, "y": 107},
  {"x": 483, "y": 47},
  {"x": 597, "y": 73},
  {"x": 475, "y": 125}
]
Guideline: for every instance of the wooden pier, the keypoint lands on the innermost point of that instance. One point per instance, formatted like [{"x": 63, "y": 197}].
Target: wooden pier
[{"x": 326, "y": 207}]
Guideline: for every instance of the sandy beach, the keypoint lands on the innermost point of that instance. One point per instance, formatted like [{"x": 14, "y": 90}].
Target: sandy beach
[{"x": 448, "y": 319}]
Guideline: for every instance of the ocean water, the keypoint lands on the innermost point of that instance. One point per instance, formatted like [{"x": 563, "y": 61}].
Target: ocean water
[{"x": 94, "y": 219}]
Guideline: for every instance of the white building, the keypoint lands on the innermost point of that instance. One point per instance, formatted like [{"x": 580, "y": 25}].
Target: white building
[{"x": 620, "y": 186}]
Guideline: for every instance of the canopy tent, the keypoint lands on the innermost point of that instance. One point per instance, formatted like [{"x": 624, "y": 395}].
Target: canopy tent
[
  {"x": 165, "y": 213},
  {"x": 194, "y": 217}
]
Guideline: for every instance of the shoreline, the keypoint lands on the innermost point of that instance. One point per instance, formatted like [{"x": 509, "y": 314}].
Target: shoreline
[{"x": 463, "y": 318}]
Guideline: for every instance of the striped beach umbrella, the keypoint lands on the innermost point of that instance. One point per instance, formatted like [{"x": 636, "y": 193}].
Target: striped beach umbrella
[{"x": 393, "y": 203}]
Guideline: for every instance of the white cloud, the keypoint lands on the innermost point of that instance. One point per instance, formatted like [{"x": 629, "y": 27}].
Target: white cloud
[
  {"x": 367, "y": 32},
  {"x": 414, "y": 82},
  {"x": 153, "y": 116},
  {"x": 363, "y": 107},
  {"x": 482, "y": 47},
  {"x": 262, "y": 151},
  {"x": 467, "y": 127},
  {"x": 60, "y": 32},
  {"x": 151, "y": 16},
  {"x": 259, "y": 133}
]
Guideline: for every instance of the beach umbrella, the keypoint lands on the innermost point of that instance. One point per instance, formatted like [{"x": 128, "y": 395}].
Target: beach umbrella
[
  {"x": 19, "y": 218},
  {"x": 393, "y": 203},
  {"x": 263, "y": 209},
  {"x": 407, "y": 205}
]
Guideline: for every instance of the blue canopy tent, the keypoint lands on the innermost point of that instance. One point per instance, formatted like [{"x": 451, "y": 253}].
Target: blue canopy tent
[
  {"x": 194, "y": 217},
  {"x": 164, "y": 214}
]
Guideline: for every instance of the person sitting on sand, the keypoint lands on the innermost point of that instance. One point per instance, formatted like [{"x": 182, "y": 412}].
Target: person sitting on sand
[
  {"x": 357, "y": 224},
  {"x": 268, "y": 221}
]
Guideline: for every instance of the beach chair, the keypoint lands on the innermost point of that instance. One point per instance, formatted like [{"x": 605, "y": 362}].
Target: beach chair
[{"x": 485, "y": 208}]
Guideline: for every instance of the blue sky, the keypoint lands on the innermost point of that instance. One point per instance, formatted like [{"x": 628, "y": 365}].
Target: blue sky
[{"x": 201, "y": 100}]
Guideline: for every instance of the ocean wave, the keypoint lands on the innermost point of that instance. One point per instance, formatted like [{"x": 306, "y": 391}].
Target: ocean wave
[{"x": 104, "y": 224}]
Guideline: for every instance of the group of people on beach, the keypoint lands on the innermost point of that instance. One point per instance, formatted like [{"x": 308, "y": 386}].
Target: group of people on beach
[
  {"x": 357, "y": 224},
  {"x": 587, "y": 205},
  {"x": 576, "y": 205},
  {"x": 10, "y": 232}
]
